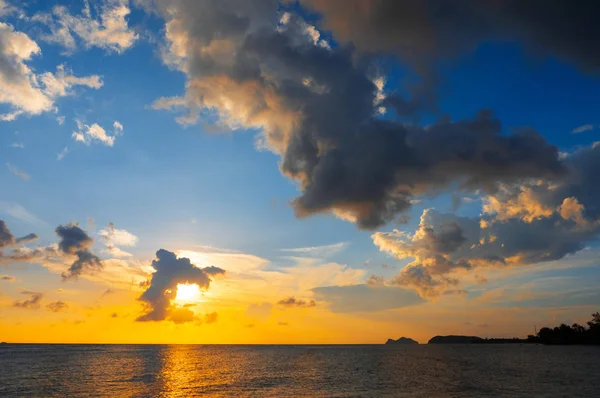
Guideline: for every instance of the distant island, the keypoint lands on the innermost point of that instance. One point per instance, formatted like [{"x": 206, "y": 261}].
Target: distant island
[
  {"x": 455, "y": 340},
  {"x": 559, "y": 335},
  {"x": 402, "y": 340},
  {"x": 472, "y": 340}
]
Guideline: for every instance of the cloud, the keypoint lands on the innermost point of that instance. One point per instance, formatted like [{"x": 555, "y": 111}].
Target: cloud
[
  {"x": 323, "y": 251},
  {"x": 57, "y": 306},
  {"x": 7, "y": 9},
  {"x": 71, "y": 257},
  {"x": 513, "y": 231},
  {"x": 293, "y": 302},
  {"x": 261, "y": 311},
  {"x": 232, "y": 261},
  {"x": 583, "y": 128},
  {"x": 171, "y": 271},
  {"x": 107, "y": 29},
  {"x": 27, "y": 238},
  {"x": 18, "y": 145},
  {"x": 211, "y": 318},
  {"x": 75, "y": 241},
  {"x": 117, "y": 237},
  {"x": 363, "y": 298},
  {"x": 7, "y": 278},
  {"x": 19, "y": 212},
  {"x": 317, "y": 108},
  {"x": 208, "y": 319},
  {"x": 62, "y": 153},
  {"x": 117, "y": 127},
  {"x": 88, "y": 134},
  {"x": 32, "y": 303},
  {"x": 25, "y": 91},
  {"x": 375, "y": 281},
  {"x": 421, "y": 32},
  {"x": 7, "y": 239},
  {"x": 19, "y": 173},
  {"x": 518, "y": 201},
  {"x": 181, "y": 315}
]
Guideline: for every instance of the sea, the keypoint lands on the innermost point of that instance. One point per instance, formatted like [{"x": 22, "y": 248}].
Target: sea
[{"x": 508, "y": 370}]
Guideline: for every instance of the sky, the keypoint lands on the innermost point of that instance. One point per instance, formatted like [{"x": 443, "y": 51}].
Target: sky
[{"x": 308, "y": 171}]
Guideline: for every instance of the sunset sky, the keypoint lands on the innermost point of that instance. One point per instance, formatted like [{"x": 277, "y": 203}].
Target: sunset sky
[{"x": 320, "y": 171}]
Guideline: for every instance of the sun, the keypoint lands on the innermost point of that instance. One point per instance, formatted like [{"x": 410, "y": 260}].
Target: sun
[{"x": 188, "y": 293}]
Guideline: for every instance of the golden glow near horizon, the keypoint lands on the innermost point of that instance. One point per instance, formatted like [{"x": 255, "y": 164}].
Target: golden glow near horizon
[{"x": 250, "y": 304}]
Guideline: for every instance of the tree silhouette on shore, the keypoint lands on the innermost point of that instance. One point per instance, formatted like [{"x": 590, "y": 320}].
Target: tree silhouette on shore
[{"x": 565, "y": 334}]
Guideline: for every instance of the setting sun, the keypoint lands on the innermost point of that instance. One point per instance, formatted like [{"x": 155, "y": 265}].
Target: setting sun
[{"x": 188, "y": 293}]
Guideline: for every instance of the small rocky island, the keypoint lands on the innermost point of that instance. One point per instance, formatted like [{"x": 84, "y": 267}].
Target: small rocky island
[{"x": 402, "y": 340}]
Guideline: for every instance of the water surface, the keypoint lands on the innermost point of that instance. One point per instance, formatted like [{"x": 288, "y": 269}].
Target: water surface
[{"x": 332, "y": 371}]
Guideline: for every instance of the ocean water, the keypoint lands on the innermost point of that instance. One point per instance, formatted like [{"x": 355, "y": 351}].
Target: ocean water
[{"x": 302, "y": 371}]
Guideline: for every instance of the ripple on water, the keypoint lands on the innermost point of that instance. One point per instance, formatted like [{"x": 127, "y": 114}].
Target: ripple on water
[{"x": 411, "y": 371}]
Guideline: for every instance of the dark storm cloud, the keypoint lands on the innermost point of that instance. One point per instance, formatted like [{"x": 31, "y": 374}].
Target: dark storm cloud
[
  {"x": 171, "y": 271},
  {"x": 294, "y": 302},
  {"x": 525, "y": 224},
  {"x": 316, "y": 107},
  {"x": 582, "y": 182},
  {"x": 32, "y": 303},
  {"x": 421, "y": 31},
  {"x": 75, "y": 241},
  {"x": 27, "y": 238},
  {"x": 7, "y": 240},
  {"x": 57, "y": 306},
  {"x": 6, "y": 237},
  {"x": 375, "y": 172},
  {"x": 7, "y": 278},
  {"x": 364, "y": 298}
]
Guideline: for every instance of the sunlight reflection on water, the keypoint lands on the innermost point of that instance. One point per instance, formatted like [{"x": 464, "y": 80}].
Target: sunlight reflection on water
[{"x": 188, "y": 370}]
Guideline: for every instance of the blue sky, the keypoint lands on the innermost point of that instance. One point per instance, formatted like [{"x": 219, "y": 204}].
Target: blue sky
[{"x": 180, "y": 187}]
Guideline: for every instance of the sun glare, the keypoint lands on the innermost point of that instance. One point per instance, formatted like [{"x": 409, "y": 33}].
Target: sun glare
[{"x": 188, "y": 293}]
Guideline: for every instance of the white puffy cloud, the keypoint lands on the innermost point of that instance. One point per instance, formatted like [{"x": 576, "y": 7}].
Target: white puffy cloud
[
  {"x": 60, "y": 84},
  {"x": 90, "y": 133},
  {"x": 25, "y": 91},
  {"x": 113, "y": 238},
  {"x": 106, "y": 29}
]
